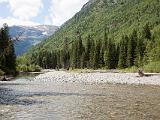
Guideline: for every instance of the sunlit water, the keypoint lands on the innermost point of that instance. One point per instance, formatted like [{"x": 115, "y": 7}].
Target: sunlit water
[{"x": 25, "y": 99}]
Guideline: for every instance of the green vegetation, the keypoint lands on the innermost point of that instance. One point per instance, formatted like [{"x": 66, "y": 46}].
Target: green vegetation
[
  {"x": 105, "y": 34},
  {"x": 133, "y": 69},
  {"x": 29, "y": 68},
  {"x": 131, "y": 51},
  {"x": 7, "y": 53},
  {"x": 1, "y": 72},
  {"x": 153, "y": 67},
  {"x": 24, "y": 65},
  {"x": 8, "y": 65}
]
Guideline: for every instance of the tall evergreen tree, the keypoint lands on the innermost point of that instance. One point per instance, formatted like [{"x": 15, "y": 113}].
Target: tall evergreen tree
[
  {"x": 80, "y": 49},
  {"x": 110, "y": 55},
  {"x": 131, "y": 53},
  {"x": 103, "y": 47},
  {"x": 83, "y": 60},
  {"x": 140, "y": 51},
  {"x": 147, "y": 32},
  {"x": 88, "y": 50},
  {"x": 66, "y": 54},
  {"x": 97, "y": 55},
  {"x": 92, "y": 54},
  {"x": 123, "y": 52},
  {"x": 7, "y": 53},
  {"x": 74, "y": 55}
]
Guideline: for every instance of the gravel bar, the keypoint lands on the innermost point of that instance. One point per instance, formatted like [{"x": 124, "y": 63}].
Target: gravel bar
[{"x": 122, "y": 78}]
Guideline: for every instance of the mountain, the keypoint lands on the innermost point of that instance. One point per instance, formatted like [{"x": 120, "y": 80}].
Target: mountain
[
  {"x": 31, "y": 36},
  {"x": 105, "y": 34},
  {"x": 117, "y": 16}
]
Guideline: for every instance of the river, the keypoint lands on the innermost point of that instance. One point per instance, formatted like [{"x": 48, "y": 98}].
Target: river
[{"x": 26, "y": 99}]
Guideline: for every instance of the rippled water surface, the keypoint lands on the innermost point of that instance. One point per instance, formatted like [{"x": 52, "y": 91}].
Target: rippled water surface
[{"x": 25, "y": 99}]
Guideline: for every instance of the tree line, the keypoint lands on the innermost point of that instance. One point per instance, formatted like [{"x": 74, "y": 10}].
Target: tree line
[{"x": 132, "y": 50}]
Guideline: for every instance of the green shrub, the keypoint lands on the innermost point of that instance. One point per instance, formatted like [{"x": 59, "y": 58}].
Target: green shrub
[
  {"x": 153, "y": 67},
  {"x": 29, "y": 68},
  {"x": 22, "y": 68},
  {"x": 34, "y": 68},
  {"x": 1, "y": 72}
]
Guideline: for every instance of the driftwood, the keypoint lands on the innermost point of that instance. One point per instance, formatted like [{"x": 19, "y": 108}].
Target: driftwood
[
  {"x": 141, "y": 73},
  {"x": 3, "y": 79},
  {"x": 6, "y": 78}
]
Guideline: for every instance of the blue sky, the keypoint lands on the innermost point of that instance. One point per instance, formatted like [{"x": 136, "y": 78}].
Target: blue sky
[{"x": 35, "y": 12}]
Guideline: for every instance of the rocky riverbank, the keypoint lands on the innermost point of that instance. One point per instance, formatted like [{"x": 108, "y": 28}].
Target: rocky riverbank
[{"x": 97, "y": 77}]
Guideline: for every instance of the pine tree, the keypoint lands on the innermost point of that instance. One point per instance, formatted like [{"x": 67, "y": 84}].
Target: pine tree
[
  {"x": 66, "y": 54},
  {"x": 117, "y": 55},
  {"x": 74, "y": 55},
  {"x": 88, "y": 50},
  {"x": 83, "y": 60},
  {"x": 149, "y": 45},
  {"x": 58, "y": 60},
  {"x": 110, "y": 55},
  {"x": 147, "y": 32},
  {"x": 92, "y": 54},
  {"x": 7, "y": 53},
  {"x": 80, "y": 49},
  {"x": 97, "y": 55},
  {"x": 140, "y": 51},
  {"x": 106, "y": 58},
  {"x": 131, "y": 53},
  {"x": 113, "y": 56},
  {"x": 103, "y": 47},
  {"x": 11, "y": 59},
  {"x": 123, "y": 52},
  {"x": 105, "y": 38}
]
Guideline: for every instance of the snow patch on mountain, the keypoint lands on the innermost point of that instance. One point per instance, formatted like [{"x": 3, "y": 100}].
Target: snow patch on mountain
[{"x": 31, "y": 35}]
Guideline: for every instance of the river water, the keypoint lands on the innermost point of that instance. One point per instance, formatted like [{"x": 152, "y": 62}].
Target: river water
[{"x": 26, "y": 99}]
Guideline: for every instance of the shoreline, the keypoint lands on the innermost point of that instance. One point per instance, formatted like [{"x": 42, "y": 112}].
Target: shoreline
[
  {"x": 98, "y": 77},
  {"x": 11, "y": 77}
]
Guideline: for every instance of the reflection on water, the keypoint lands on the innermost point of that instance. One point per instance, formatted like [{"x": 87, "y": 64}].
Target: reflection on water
[
  {"x": 26, "y": 75},
  {"x": 30, "y": 100}
]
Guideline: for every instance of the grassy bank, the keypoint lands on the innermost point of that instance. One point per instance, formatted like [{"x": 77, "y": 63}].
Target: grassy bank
[{"x": 152, "y": 67}]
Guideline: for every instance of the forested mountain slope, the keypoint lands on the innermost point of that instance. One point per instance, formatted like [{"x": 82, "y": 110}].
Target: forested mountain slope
[
  {"x": 118, "y": 16},
  {"x": 105, "y": 34}
]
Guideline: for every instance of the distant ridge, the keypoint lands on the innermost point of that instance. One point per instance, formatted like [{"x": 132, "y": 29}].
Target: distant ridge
[{"x": 32, "y": 35}]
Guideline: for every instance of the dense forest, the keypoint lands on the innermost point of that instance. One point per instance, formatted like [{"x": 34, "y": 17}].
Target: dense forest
[
  {"x": 133, "y": 50},
  {"x": 7, "y": 53},
  {"x": 105, "y": 34}
]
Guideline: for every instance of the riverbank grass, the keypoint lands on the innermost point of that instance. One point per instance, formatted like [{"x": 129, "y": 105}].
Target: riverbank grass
[{"x": 153, "y": 67}]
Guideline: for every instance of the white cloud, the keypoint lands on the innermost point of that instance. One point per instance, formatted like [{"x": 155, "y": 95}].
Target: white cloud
[
  {"x": 25, "y": 9},
  {"x": 22, "y": 11},
  {"x": 59, "y": 11},
  {"x": 62, "y": 10},
  {"x": 14, "y": 21},
  {"x": 2, "y": 1}
]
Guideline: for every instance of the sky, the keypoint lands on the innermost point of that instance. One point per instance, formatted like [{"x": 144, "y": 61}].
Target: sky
[{"x": 38, "y": 12}]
